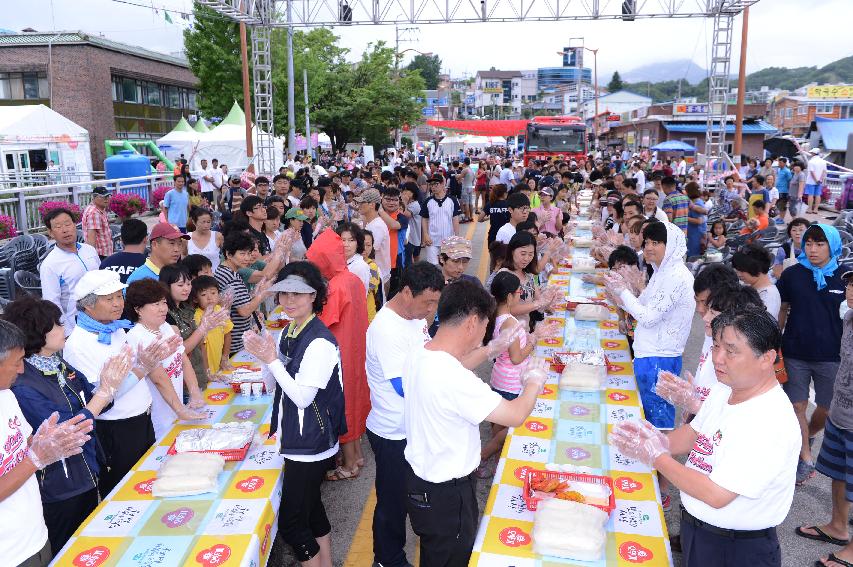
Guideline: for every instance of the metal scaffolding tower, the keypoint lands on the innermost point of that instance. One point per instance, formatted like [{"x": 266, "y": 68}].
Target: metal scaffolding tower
[
  {"x": 718, "y": 80},
  {"x": 263, "y": 97}
]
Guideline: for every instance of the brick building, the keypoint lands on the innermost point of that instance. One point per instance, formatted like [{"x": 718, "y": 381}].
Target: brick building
[
  {"x": 112, "y": 89},
  {"x": 795, "y": 114}
]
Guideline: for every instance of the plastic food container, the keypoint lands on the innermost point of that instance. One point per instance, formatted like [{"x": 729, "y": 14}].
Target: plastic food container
[{"x": 533, "y": 476}]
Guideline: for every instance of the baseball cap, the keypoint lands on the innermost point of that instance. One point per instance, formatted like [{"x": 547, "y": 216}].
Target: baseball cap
[
  {"x": 167, "y": 231},
  {"x": 847, "y": 274},
  {"x": 546, "y": 191},
  {"x": 234, "y": 177},
  {"x": 455, "y": 247},
  {"x": 814, "y": 151},
  {"x": 99, "y": 282},
  {"x": 436, "y": 179},
  {"x": 369, "y": 196},
  {"x": 101, "y": 191},
  {"x": 293, "y": 284},
  {"x": 333, "y": 169},
  {"x": 598, "y": 182},
  {"x": 296, "y": 213}
]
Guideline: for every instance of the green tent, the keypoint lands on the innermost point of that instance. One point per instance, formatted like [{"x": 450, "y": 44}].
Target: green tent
[{"x": 201, "y": 126}]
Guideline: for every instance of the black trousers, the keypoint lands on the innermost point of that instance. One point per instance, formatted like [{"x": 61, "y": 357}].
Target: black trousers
[
  {"x": 445, "y": 517},
  {"x": 63, "y": 518},
  {"x": 302, "y": 517},
  {"x": 124, "y": 442},
  {"x": 389, "y": 517},
  {"x": 703, "y": 548}
]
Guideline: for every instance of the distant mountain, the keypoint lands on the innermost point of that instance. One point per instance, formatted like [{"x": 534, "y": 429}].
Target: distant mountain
[{"x": 666, "y": 71}]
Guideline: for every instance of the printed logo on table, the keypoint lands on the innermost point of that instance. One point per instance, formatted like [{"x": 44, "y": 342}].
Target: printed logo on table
[
  {"x": 217, "y": 396},
  {"x": 613, "y": 367},
  {"x": 245, "y": 414},
  {"x": 145, "y": 486},
  {"x": 521, "y": 472},
  {"x": 617, "y": 396},
  {"x": 250, "y": 484},
  {"x": 579, "y": 410},
  {"x": 514, "y": 537},
  {"x": 536, "y": 426},
  {"x": 633, "y": 552},
  {"x": 546, "y": 390},
  {"x": 627, "y": 484},
  {"x": 633, "y": 516},
  {"x": 177, "y": 518},
  {"x": 577, "y": 454},
  {"x": 214, "y": 555},
  {"x": 610, "y": 344},
  {"x": 92, "y": 557}
]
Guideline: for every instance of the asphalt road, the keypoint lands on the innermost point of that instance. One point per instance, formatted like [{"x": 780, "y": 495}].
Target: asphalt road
[{"x": 346, "y": 501}]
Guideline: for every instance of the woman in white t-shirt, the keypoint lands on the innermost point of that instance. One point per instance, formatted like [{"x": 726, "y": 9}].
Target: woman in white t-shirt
[
  {"x": 352, "y": 238},
  {"x": 752, "y": 264},
  {"x": 147, "y": 307}
]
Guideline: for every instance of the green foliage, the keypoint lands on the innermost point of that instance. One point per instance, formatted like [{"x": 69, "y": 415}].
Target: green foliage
[
  {"x": 212, "y": 46},
  {"x": 429, "y": 67},
  {"x": 615, "y": 83}
]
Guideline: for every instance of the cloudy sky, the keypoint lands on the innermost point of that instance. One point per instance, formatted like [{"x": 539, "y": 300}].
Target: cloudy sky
[{"x": 782, "y": 33}]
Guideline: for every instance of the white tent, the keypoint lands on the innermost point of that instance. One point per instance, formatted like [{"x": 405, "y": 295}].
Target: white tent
[
  {"x": 33, "y": 135},
  {"x": 181, "y": 140},
  {"x": 227, "y": 143}
]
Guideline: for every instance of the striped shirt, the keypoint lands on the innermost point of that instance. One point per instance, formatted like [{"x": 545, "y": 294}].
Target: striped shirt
[
  {"x": 96, "y": 219},
  {"x": 440, "y": 214},
  {"x": 506, "y": 376},
  {"x": 677, "y": 206},
  {"x": 226, "y": 278}
]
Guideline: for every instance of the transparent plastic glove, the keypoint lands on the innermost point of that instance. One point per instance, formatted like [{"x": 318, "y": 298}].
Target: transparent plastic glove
[
  {"x": 678, "y": 392},
  {"x": 536, "y": 373},
  {"x": 597, "y": 231},
  {"x": 501, "y": 343},
  {"x": 196, "y": 400},
  {"x": 226, "y": 298},
  {"x": 212, "y": 319},
  {"x": 186, "y": 413},
  {"x": 634, "y": 277},
  {"x": 615, "y": 283},
  {"x": 262, "y": 287},
  {"x": 149, "y": 358},
  {"x": 545, "y": 330},
  {"x": 53, "y": 441},
  {"x": 639, "y": 440},
  {"x": 113, "y": 373},
  {"x": 261, "y": 346},
  {"x": 589, "y": 278}
]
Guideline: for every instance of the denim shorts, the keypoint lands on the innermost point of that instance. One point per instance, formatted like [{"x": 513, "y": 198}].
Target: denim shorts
[
  {"x": 812, "y": 190},
  {"x": 801, "y": 373}
]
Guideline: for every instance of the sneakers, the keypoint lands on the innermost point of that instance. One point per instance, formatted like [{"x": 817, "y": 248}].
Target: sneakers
[
  {"x": 805, "y": 471},
  {"x": 666, "y": 502}
]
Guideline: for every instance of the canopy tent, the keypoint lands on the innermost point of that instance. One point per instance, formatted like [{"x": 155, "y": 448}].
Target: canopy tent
[
  {"x": 482, "y": 127},
  {"x": 834, "y": 132},
  {"x": 674, "y": 146},
  {"x": 227, "y": 143},
  {"x": 181, "y": 140},
  {"x": 201, "y": 126},
  {"x": 32, "y": 135}
]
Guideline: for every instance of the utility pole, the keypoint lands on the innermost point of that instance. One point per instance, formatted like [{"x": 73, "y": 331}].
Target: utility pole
[
  {"x": 308, "y": 146},
  {"x": 291, "y": 113},
  {"x": 247, "y": 100},
  {"x": 741, "y": 84}
]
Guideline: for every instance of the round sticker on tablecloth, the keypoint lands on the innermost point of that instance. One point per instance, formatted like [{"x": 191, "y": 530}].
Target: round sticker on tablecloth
[
  {"x": 610, "y": 344},
  {"x": 245, "y": 414},
  {"x": 577, "y": 454},
  {"x": 546, "y": 390},
  {"x": 177, "y": 518},
  {"x": 214, "y": 555},
  {"x": 535, "y": 426},
  {"x": 514, "y": 537},
  {"x": 579, "y": 411},
  {"x": 609, "y": 324},
  {"x": 612, "y": 367},
  {"x": 92, "y": 557},
  {"x": 627, "y": 484},
  {"x": 617, "y": 396},
  {"x": 521, "y": 472},
  {"x": 217, "y": 396},
  {"x": 144, "y": 487},
  {"x": 552, "y": 341},
  {"x": 250, "y": 484},
  {"x": 633, "y": 552}
]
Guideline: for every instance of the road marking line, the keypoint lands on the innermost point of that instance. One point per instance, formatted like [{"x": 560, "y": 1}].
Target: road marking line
[
  {"x": 472, "y": 226},
  {"x": 483, "y": 266},
  {"x": 361, "y": 548}
]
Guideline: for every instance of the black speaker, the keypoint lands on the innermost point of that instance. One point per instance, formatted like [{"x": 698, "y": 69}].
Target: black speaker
[
  {"x": 629, "y": 10},
  {"x": 345, "y": 13}
]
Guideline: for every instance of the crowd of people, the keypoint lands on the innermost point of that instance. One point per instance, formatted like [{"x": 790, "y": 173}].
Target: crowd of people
[{"x": 367, "y": 265}]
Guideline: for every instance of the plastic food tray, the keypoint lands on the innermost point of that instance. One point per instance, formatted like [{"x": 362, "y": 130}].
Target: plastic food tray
[
  {"x": 531, "y": 502},
  {"x": 558, "y": 367},
  {"x": 227, "y": 454}
]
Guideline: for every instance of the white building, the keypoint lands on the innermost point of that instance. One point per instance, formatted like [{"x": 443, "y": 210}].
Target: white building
[
  {"x": 615, "y": 103},
  {"x": 503, "y": 93}
]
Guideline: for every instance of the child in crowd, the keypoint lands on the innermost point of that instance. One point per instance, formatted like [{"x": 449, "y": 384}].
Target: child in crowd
[
  {"x": 374, "y": 293},
  {"x": 197, "y": 265},
  {"x": 716, "y": 237},
  {"x": 217, "y": 343},
  {"x": 760, "y": 221}
]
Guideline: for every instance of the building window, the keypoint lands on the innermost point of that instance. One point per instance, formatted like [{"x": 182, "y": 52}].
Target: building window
[
  {"x": 17, "y": 86},
  {"x": 824, "y": 108},
  {"x": 128, "y": 91},
  {"x": 802, "y": 110},
  {"x": 789, "y": 113},
  {"x": 5, "y": 86}
]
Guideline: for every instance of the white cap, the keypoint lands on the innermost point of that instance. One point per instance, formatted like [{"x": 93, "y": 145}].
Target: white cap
[
  {"x": 99, "y": 282},
  {"x": 814, "y": 151}
]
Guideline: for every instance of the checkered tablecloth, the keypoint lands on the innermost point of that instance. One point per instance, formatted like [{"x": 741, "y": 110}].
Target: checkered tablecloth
[
  {"x": 571, "y": 428},
  {"x": 234, "y": 526}
]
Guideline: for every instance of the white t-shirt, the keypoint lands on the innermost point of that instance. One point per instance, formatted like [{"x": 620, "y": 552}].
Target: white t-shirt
[
  {"x": 505, "y": 233},
  {"x": 773, "y": 194},
  {"x": 382, "y": 245},
  {"x": 359, "y": 267},
  {"x": 22, "y": 529},
  {"x": 751, "y": 449},
  {"x": 204, "y": 185},
  {"x": 496, "y": 176},
  {"x": 705, "y": 376},
  {"x": 771, "y": 299},
  {"x": 218, "y": 178},
  {"x": 390, "y": 339},
  {"x": 444, "y": 406},
  {"x": 816, "y": 170},
  {"x": 59, "y": 275},
  {"x": 84, "y": 352},
  {"x": 162, "y": 414}
]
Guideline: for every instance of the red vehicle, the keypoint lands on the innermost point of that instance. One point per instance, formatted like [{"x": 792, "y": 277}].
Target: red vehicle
[{"x": 563, "y": 137}]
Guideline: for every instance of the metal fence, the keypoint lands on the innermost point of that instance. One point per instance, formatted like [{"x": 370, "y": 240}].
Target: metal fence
[
  {"x": 38, "y": 178},
  {"x": 22, "y": 203}
]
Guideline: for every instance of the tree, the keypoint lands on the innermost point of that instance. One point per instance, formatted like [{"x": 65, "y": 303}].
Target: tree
[
  {"x": 212, "y": 46},
  {"x": 429, "y": 67},
  {"x": 615, "y": 83}
]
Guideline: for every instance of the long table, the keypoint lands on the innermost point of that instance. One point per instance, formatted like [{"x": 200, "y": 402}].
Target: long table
[
  {"x": 234, "y": 526},
  {"x": 571, "y": 428}
]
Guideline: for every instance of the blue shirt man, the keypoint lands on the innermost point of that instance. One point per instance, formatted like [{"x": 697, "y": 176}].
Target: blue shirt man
[
  {"x": 783, "y": 176},
  {"x": 177, "y": 204}
]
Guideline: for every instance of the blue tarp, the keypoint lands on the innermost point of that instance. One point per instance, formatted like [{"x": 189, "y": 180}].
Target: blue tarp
[
  {"x": 834, "y": 132},
  {"x": 757, "y": 127}
]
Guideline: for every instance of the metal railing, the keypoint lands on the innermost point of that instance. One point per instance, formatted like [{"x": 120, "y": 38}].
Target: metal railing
[
  {"x": 22, "y": 203},
  {"x": 37, "y": 178}
]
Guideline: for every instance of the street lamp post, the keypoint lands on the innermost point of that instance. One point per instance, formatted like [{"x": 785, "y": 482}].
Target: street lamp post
[
  {"x": 594, "y": 87},
  {"x": 397, "y": 55}
]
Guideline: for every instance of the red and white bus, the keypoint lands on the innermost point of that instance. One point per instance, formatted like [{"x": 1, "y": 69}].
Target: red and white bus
[{"x": 563, "y": 137}]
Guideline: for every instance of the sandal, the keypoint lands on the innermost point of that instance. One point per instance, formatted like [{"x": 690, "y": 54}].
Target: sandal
[
  {"x": 831, "y": 557},
  {"x": 340, "y": 473},
  {"x": 820, "y": 535}
]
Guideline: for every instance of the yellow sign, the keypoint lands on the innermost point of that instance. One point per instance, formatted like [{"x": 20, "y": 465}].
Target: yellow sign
[
  {"x": 493, "y": 90},
  {"x": 831, "y": 91}
]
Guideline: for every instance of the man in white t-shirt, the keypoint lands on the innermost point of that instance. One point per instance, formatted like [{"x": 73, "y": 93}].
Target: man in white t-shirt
[
  {"x": 23, "y": 533},
  {"x": 368, "y": 208},
  {"x": 398, "y": 328},
  {"x": 742, "y": 447},
  {"x": 518, "y": 206},
  {"x": 815, "y": 179},
  {"x": 444, "y": 404},
  {"x": 205, "y": 180}
]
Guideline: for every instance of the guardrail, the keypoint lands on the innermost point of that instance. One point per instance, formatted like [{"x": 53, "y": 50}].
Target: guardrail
[
  {"x": 37, "y": 178},
  {"x": 22, "y": 203}
]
